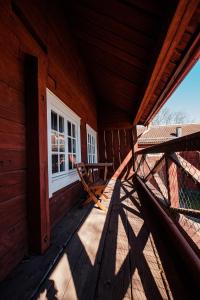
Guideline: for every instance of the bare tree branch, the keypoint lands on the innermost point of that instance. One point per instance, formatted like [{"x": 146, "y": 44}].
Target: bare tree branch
[{"x": 166, "y": 117}]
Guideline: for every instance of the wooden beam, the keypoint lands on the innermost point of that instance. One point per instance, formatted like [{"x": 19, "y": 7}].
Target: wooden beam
[
  {"x": 156, "y": 168},
  {"x": 187, "y": 212},
  {"x": 187, "y": 167},
  {"x": 191, "y": 56},
  {"x": 189, "y": 142},
  {"x": 37, "y": 173},
  {"x": 184, "y": 11}
]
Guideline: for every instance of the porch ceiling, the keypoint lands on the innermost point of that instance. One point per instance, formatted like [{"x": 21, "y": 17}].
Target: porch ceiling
[{"x": 132, "y": 48}]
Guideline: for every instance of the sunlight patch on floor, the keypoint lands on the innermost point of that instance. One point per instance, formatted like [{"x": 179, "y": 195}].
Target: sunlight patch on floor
[{"x": 122, "y": 246}]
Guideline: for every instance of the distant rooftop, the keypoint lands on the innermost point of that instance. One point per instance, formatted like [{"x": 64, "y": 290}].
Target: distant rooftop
[{"x": 163, "y": 133}]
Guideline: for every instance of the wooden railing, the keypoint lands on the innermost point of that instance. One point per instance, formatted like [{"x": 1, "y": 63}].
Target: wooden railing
[{"x": 171, "y": 171}]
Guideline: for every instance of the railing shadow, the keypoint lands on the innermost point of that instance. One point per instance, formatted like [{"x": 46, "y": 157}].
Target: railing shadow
[{"x": 99, "y": 279}]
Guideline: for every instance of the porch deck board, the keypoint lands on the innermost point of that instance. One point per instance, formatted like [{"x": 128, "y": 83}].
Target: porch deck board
[{"x": 110, "y": 256}]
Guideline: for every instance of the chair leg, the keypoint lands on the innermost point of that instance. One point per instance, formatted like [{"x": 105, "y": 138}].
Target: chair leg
[
  {"x": 97, "y": 202},
  {"x": 101, "y": 206}
]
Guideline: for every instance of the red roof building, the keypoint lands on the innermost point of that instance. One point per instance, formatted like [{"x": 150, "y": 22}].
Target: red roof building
[{"x": 148, "y": 136}]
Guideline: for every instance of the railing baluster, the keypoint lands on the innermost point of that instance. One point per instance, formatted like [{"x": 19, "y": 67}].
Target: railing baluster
[{"x": 172, "y": 179}]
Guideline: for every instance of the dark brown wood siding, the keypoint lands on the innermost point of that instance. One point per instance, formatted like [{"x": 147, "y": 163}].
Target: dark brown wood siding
[
  {"x": 116, "y": 146},
  {"x": 37, "y": 28}
]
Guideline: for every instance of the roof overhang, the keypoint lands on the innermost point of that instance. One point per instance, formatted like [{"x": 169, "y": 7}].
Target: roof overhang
[{"x": 182, "y": 37}]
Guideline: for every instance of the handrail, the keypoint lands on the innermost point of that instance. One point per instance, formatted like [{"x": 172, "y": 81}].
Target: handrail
[
  {"x": 174, "y": 180},
  {"x": 189, "y": 142}
]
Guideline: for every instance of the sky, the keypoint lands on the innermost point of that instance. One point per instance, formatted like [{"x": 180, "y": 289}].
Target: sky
[{"x": 186, "y": 97}]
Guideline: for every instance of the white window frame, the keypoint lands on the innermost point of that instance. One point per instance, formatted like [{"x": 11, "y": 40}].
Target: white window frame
[
  {"x": 93, "y": 133},
  {"x": 58, "y": 181}
]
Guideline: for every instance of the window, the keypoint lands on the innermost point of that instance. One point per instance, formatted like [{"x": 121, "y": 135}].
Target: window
[
  {"x": 57, "y": 143},
  {"x": 63, "y": 143},
  {"x": 91, "y": 145}
]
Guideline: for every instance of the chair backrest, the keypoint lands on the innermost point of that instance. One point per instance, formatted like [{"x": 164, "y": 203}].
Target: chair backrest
[{"x": 83, "y": 174}]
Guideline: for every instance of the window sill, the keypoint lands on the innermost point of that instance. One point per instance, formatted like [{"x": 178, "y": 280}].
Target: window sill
[{"x": 62, "y": 181}]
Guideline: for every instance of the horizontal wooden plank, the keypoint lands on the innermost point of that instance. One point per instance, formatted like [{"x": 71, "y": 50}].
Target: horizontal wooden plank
[
  {"x": 113, "y": 88},
  {"x": 13, "y": 247},
  {"x": 12, "y": 212},
  {"x": 31, "y": 17},
  {"x": 153, "y": 7},
  {"x": 63, "y": 200},
  {"x": 95, "y": 30},
  {"x": 9, "y": 192},
  {"x": 12, "y": 177},
  {"x": 11, "y": 160},
  {"x": 12, "y": 141},
  {"x": 93, "y": 54},
  {"x": 11, "y": 71},
  {"x": 85, "y": 107},
  {"x": 133, "y": 18},
  {"x": 128, "y": 33},
  {"x": 11, "y": 103},
  {"x": 10, "y": 127},
  {"x": 9, "y": 43},
  {"x": 133, "y": 60}
]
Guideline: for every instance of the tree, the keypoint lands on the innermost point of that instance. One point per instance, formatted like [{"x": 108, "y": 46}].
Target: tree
[{"x": 166, "y": 117}]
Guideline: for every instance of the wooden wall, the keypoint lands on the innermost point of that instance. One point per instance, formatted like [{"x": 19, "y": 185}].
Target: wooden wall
[
  {"x": 116, "y": 146},
  {"x": 38, "y": 28}
]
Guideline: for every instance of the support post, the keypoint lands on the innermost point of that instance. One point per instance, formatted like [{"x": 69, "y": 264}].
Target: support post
[
  {"x": 37, "y": 168},
  {"x": 134, "y": 147},
  {"x": 173, "y": 186}
]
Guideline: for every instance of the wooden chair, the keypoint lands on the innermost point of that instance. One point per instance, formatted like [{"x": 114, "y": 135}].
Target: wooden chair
[{"x": 94, "y": 189}]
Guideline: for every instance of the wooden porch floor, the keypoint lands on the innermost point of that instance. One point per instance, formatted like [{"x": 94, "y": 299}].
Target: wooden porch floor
[{"x": 105, "y": 256}]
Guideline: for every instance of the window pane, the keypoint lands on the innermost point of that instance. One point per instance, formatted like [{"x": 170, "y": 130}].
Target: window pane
[
  {"x": 69, "y": 145},
  {"x": 61, "y": 124},
  {"x": 54, "y": 141},
  {"x": 54, "y": 120},
  {"x": 73, "y": 130},
  {"x": 69, "y": 128},
  {"x": 62, "y": 143},
  {"x": 74, "y": 160},
  {"x": 70, "y": 158},
  {"x": 74, "y": 146},
  {"x": 54, "y": 163},
  {"x": 62, "y": 162}
]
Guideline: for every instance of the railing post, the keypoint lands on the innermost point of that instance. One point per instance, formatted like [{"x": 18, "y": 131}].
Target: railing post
[
  {"x": 172, "y": 180},
  {"x": 134, "y": 147}
]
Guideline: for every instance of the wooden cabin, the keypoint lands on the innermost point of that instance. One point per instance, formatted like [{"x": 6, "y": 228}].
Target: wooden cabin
[{"x": 76, "y": 77}]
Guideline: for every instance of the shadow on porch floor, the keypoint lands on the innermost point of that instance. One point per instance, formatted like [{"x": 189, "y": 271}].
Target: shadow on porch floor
[{"x": 98, "y": 256}]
